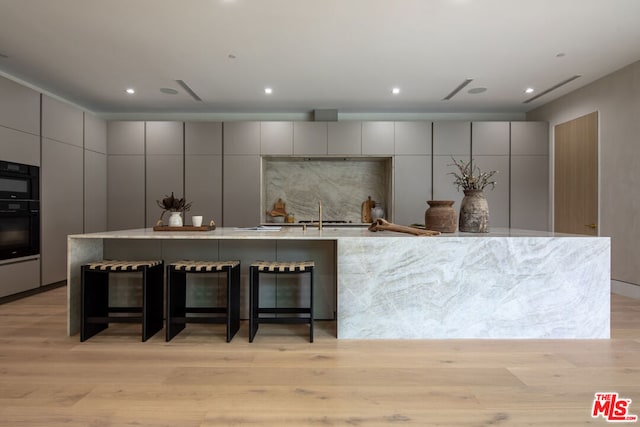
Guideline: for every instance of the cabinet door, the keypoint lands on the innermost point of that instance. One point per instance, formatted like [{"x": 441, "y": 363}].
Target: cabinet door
[
  {"x": 125, "y": 192},
  {"x": 412, "y": 188},
  {"x": 19, "y": 107},
  {"x": 530, "y": 175},
  {"x": 19, "y": 276},
  {"x": 125, "y": 138},
  {"x": 164, "y": 138},
  {"x": 345, "y": 138},
  {"x": 241, "y": 191},
  {"x": 377, "y": 138},
  {"x": 203, "y": 187},
  {"x": 310, "y": 138},
  {"x": 276, "y": 138},
  {"x": 95, "y": 191},
  {"x": 452, "y": 139},
  {"x": 241, "y": 138},
  {"x": 490, "y": 139},
  {"x": 20, "y": 147},
  {"x": 61, "y": 205},
  {"x": 62, "y": 122},
  {"x": 95, "y": 134},
  {"x": 203, "y": 138},
  {"x": 164, "y": 176},
  {"x": 413, "y": 138}
]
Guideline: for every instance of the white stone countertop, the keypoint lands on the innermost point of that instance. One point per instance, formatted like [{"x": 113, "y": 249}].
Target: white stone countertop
[{"x": 312, "y": 233}]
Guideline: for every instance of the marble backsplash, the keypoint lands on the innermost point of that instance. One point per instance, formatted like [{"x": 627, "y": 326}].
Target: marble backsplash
[{"x": 341, "y": 184}]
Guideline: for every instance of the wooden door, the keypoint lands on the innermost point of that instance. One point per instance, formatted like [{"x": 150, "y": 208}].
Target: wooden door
[{"x": 576, "y": 176}]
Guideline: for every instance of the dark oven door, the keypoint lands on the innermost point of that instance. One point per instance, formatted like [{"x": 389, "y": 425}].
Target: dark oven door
[
  {"x": 19, "y": 228},
  {"x": 19, "y": 181}
]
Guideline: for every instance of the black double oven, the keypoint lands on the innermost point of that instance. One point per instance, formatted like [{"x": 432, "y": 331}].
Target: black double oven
[{"x": 19, "y": 210}]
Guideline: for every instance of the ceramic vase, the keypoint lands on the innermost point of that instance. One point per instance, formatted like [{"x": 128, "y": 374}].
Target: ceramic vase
[
  {"x": 175, "y": 219},
  {"x": 474, "y": 212},
  {"x": 441, "y": 216}
]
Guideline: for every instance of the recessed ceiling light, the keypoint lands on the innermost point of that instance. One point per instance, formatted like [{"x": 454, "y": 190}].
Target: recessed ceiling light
[
  {"x": 268, "y": 90},
  {"x": 395, "y": 90},
  {"x": 130, "y": 91},
  {"x": 477, "y": 90},
  {"x": 529, "y": 90}
]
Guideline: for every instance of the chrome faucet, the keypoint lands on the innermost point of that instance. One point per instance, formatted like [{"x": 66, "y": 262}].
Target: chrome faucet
[{"x": 319, "y": 214}]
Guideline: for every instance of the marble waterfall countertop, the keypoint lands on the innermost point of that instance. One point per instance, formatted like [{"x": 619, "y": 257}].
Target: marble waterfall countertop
[{"x": 504, "y": 284}]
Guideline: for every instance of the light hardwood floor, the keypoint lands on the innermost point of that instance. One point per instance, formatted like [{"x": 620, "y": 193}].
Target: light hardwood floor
[{"x": 113, "y": 379}]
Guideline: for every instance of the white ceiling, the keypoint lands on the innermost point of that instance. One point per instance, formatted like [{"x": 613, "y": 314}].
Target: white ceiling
[{"x": 343, "y": 54}]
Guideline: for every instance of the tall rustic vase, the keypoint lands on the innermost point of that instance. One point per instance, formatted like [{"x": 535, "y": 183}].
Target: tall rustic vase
[
  {"x": 474, "y": 212},
  {"x": 440, "y": 216}
]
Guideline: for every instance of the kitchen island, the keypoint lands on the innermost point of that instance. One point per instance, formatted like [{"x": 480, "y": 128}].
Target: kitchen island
[{"x": 504, "y": 284}]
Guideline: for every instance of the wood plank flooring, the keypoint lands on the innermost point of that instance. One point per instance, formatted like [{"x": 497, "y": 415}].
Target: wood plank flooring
[{"x": 198, "y": 380}]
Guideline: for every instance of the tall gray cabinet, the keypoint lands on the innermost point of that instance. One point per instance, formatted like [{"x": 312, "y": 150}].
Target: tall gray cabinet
[{"x": 61, "y": 178}]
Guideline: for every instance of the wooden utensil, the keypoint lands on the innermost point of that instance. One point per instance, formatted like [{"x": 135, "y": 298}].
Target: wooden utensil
[{"x": 382, "y": 225}]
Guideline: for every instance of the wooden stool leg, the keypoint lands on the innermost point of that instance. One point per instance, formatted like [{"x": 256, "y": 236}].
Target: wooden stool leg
[
  {"x": 311, "y": 306},
  {"x": 176, "y": 302},
  {"x": 94, "y": 302}
]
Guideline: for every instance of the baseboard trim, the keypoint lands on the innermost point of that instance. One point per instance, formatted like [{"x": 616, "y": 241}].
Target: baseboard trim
[
  {"x": 625, "y": 289},
  {"x": 20, "y": 295}
]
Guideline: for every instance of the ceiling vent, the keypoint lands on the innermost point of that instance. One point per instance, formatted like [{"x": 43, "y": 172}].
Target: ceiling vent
[
  {"x": 325, "y": 115},
  {"x": 189, "y": 90},
  {"x": 552, "y": 88},
  {"x": 458, "y": 89}
]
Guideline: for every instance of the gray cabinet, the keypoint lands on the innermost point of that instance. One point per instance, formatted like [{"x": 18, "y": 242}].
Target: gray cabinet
[
  {"x": 413, "y": 138},
  {"x": 61, "y": 205},
  {"x": 276, "y": 138},
  {"x": 95, "y": 174},
  {"x": 412, "y": 188},
  {"x": 19, "y": 276},
  {"x": 241, "y": 176},
  {"x": 530, "y": 175},
  {"x": 242, "y": 138},
  {"x": 20, "y": 147},
  {"x": 377, "y": 138},
  {"x": 62, "y": 122},
  {"x": 344, "y": 138},
  {"x": 125, "y": 175},
  {"x": 241, "y": 191},
  {"x": 310, "y": 138},
  {"x": 19, "y": 107},
  {"x": 203, "y": 170},
  {"x": 450, "y": 140},
  {"x": 164, "y": 166},
  {"x": 490, "y": 151}
]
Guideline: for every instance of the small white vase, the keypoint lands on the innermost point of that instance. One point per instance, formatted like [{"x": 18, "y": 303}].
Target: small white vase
[{"x": 175, "y": 220}]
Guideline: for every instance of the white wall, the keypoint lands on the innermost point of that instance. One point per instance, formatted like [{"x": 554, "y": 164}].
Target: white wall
[{"x": 617, "y": 99}]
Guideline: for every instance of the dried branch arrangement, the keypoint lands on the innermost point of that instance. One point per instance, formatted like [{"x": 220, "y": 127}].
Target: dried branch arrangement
[
  {"x": 470, "y": 177},
  {"x": 171, "y": 204}
]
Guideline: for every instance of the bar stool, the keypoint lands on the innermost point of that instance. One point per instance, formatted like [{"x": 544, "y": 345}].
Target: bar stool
[
  {"x": 276, "y": 267},
  {"x": 176, "y": 296},
  {"x": 96, "y": 314}
]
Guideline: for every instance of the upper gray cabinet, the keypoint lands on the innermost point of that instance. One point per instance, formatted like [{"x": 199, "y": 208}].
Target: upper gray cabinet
[
  {"x": 202, "y": 138},
  {"x": 242, "y": 138},
  {"x": 413, "y": 138},
  {"x": 310, "y": 138},
  {"x": 276, "y": 138},
  {"x": 164, "y": 138},
  {"x": 377, "y": 138},
  {"x": 20, "y": 147},
  {"x": 529, "y": 138},
  {"x": 490, "y": 139},
  {"x": 19, "y": 107},
  {"x": 125, "y": 138},
  {"x": 95, "y": 134},
  {"x": 452, "y": 139},
  {"x": 62, "y": 122},
  {"x": 345, "y": 138}
]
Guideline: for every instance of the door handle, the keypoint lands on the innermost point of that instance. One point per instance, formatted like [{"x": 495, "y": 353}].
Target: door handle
[{"x": 591, "y": 226}]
